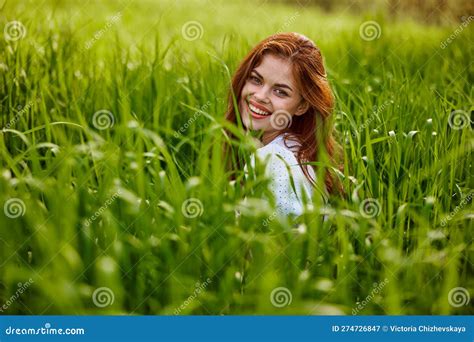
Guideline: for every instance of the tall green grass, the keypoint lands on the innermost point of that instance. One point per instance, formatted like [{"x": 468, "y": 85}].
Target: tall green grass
[{"x": 103, "y": 208}]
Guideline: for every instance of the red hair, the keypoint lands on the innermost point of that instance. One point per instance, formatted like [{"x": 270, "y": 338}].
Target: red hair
[{"x": 313, "y": 129}]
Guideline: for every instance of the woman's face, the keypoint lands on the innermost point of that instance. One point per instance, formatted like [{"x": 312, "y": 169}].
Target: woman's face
[{"x": 269, "y": 98}]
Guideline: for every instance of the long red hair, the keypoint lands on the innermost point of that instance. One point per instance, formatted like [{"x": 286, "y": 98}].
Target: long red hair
[{"x": 314, "y": 128}]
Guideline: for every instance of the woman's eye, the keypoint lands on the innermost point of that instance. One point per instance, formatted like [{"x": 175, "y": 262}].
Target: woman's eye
[
  {"x": 255, "y": 79},
  {"x": 281, "y": 92}
]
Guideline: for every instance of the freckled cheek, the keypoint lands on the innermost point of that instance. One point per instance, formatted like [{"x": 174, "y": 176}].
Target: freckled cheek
[
  {"x": 248, "y": 89},
  {"x": 282, "y": 104},
  {"x": 276, "y": 102},
  {"x": 244, "y": 94},
  {"x": 243, "y": 108}
]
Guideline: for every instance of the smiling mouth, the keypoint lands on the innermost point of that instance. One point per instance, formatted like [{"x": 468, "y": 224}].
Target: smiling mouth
[{"x": 256, "y": 112}]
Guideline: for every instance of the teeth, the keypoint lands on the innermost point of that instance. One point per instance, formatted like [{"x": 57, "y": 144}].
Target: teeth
[{"x": 258, "y": 111}]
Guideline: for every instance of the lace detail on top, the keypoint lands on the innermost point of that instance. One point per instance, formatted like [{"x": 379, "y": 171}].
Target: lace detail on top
[{"x": 288, "y": 183}]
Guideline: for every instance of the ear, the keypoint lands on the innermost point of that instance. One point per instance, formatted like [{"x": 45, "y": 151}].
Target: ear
[{"x": 302, "y": 108}]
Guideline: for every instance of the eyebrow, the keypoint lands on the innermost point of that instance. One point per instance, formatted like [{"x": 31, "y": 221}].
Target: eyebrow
[{"x": 281, "y": 85}]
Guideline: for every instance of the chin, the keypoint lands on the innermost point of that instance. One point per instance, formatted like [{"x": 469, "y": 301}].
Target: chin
[{"x": 253, "y": 126}]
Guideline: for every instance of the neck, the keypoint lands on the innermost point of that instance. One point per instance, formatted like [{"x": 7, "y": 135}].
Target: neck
[{"x": 268, "y": 137}]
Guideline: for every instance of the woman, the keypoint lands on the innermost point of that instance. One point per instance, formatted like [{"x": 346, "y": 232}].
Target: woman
[{"x": 281, "y": 91}]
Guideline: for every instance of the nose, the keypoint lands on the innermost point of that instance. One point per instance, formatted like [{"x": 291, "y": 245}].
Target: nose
[{"x": 261, "y": 95}]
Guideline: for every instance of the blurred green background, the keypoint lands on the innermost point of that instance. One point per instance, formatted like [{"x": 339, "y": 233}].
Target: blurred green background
[{"x": 114, "y": 195}]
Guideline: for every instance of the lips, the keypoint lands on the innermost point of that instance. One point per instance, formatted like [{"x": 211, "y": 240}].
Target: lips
[{"x": 257, "y": 112}]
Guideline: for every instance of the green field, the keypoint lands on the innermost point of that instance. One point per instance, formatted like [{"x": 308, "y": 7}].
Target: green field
[{"x": 114, "y": 195}]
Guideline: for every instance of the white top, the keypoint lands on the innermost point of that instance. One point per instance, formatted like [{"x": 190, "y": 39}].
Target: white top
[{"x": 282, "y": 168}]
